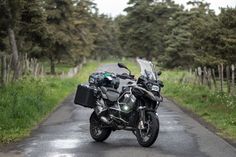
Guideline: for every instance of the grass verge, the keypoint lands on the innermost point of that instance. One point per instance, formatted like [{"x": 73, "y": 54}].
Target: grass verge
[
  {"x": 28, "y": 101},
  {"x": 216, "y": 108},
  {"x": 60, "y": 67}
]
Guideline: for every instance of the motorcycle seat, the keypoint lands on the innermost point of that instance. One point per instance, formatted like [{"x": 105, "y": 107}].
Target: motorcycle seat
[{"x": 111, "y": 93}]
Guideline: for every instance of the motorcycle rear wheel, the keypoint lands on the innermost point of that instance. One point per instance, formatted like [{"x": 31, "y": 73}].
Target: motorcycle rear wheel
[
  {"x": 148, "y": 136},
  {"x": 97, "y": 132}
]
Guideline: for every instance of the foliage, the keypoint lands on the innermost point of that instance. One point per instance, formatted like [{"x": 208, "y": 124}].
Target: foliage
[
  {"x": 58, "y": 30},
  {"x": 106, "y": 39},
  {"x": 216, "y": 108},
  {"x": 25, "y": 103},
  {"x": 31, "y": 29},
  {"x": 143, "y": 28},
  {"x": 178, "y": 37},
  {"x": 83, "y": 21},
  {"x": 178, "y": 41}
]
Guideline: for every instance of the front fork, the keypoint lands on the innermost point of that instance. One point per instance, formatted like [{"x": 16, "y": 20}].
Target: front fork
[{"x": 142, "y": 118}]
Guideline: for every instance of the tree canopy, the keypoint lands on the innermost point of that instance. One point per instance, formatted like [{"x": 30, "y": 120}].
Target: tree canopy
[
  {"x": 156, "y": 30},
  {"x": 178, "y": 37}
]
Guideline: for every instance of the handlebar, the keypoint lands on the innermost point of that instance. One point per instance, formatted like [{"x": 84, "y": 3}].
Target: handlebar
[{"x": 126, "y": 76}]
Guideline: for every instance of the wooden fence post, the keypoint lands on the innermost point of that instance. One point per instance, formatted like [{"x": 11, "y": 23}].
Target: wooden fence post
[
  {"x": 205, "y": 80},
  {"x": 27, "y": 62},
  {"x": 42, "y": 71},
  {"x": 191, "y": 71},
  {"x": 233, "y": 79},
  {"x": 209, "y": 77},
  {"x": 196, "y": 76},
  {"x": 214, "y": 78},
  {"x": 200, "y": 75},
  {"x": 221, "y": 77},
  {"x": 36, "y": 69},
  {"x": 3, "y": 70},
  {"x": 228, "y": 78},
  {"x": 8, "y": 69},
  {"x": 219, "y": 71}
]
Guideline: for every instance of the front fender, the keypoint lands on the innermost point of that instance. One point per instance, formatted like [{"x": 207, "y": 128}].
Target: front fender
[{"x": 147, "y": 93}]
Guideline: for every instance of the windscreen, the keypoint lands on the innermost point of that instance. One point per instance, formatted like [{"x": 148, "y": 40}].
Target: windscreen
[{"x": 147, "y": 69}]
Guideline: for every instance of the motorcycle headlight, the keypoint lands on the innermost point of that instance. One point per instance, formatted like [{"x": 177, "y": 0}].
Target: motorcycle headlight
[
  {"x": 155, "y": 88},
  {"x": 125, "y": 108}
]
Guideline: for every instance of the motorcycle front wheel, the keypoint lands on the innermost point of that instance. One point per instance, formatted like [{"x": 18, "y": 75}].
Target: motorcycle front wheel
[
  {"x": 146, "y": 137},
  {"x": 97, "y": 132}
]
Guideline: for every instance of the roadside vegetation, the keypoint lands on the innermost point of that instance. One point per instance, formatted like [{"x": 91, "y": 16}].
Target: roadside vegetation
[
  {"x": 59, "y": 67},
  {"x": 216, "y": 108},
  {"x": 26, "y": 102},
  {"x": 73, "y": 31}
]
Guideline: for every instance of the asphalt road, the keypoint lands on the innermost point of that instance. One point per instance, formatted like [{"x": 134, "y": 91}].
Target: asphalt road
[{"x": 66, "y": 134}]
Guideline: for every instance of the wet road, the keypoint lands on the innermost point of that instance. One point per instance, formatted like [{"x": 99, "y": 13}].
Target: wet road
[{"x": 66, "y": 134}]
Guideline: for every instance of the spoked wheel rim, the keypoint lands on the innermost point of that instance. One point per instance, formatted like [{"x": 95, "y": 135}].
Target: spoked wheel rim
[
  {"x": 96, "y": 126},
  {"x": 97, "y": 130},
  {"x": 147, "y": 136},
  {"x": 147, "y": 132}
]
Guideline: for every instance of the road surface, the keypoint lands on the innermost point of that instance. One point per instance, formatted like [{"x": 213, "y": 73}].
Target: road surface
[{"x": 66, "y": 134}]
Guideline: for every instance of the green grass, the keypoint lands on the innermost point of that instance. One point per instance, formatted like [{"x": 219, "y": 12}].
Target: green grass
[
  {"x": 60, "y": 67},
  {"x": 28, "y": 101},
  {"x": 219, "y": 109}
]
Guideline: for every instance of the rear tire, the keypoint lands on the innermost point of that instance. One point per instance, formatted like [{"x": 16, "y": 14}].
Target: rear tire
[
  {"x": 97, "y": 132},
  {"x": 153, "y": 131}
]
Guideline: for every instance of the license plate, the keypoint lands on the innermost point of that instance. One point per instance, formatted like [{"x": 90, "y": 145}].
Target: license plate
[{"x": 155, "y": 88}]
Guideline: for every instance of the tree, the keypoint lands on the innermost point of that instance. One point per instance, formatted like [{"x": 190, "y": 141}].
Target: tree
[
  {"x": 202, "y": 27},
  {"x": 59, "y": 30},
  {"x": 144, "y": 27},
  {"x": 83, "y": 20},
  {"x": 179, "y": 46},
  {"x": 138, "y": 31},
  {"x": 227, "y": 39},
  {"x": 106, "y": 40},
  {"x": 193, "y": 37},
  {"x": 32, "y": 30},
  {"x": 10, "y": 12}
]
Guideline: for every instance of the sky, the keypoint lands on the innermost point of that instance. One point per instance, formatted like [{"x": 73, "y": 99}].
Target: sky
[{"x": 116, "y": 7}]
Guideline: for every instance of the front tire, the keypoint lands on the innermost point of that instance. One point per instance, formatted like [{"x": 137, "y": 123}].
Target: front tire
[
  {"x": 149, "y": 135},
  {"x": 97, "y": 132}
]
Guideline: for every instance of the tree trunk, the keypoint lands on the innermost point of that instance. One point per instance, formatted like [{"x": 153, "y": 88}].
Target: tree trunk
[
  {"x": 233, "y": 79},
  {"x": 228, "y": 79},
  {"x": 15, "y": 55},
  {"x": 2, "y": 70},
  {"x": 52, "y": 62},
  {"x": 149, "y": 56},
  {"x": 221, "y": 77}
]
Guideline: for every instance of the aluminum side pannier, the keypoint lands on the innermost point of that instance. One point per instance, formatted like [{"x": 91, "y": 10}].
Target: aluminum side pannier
[{"x": 85, "y": 96}]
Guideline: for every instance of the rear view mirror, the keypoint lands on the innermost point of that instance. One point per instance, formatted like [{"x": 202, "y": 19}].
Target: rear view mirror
[
  {"x": 159, "y": 73},
  {"x": 121, "y": 65}
]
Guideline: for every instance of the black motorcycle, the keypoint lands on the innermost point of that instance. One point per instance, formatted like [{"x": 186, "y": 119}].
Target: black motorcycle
[{"x": 133, "y": 108}]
